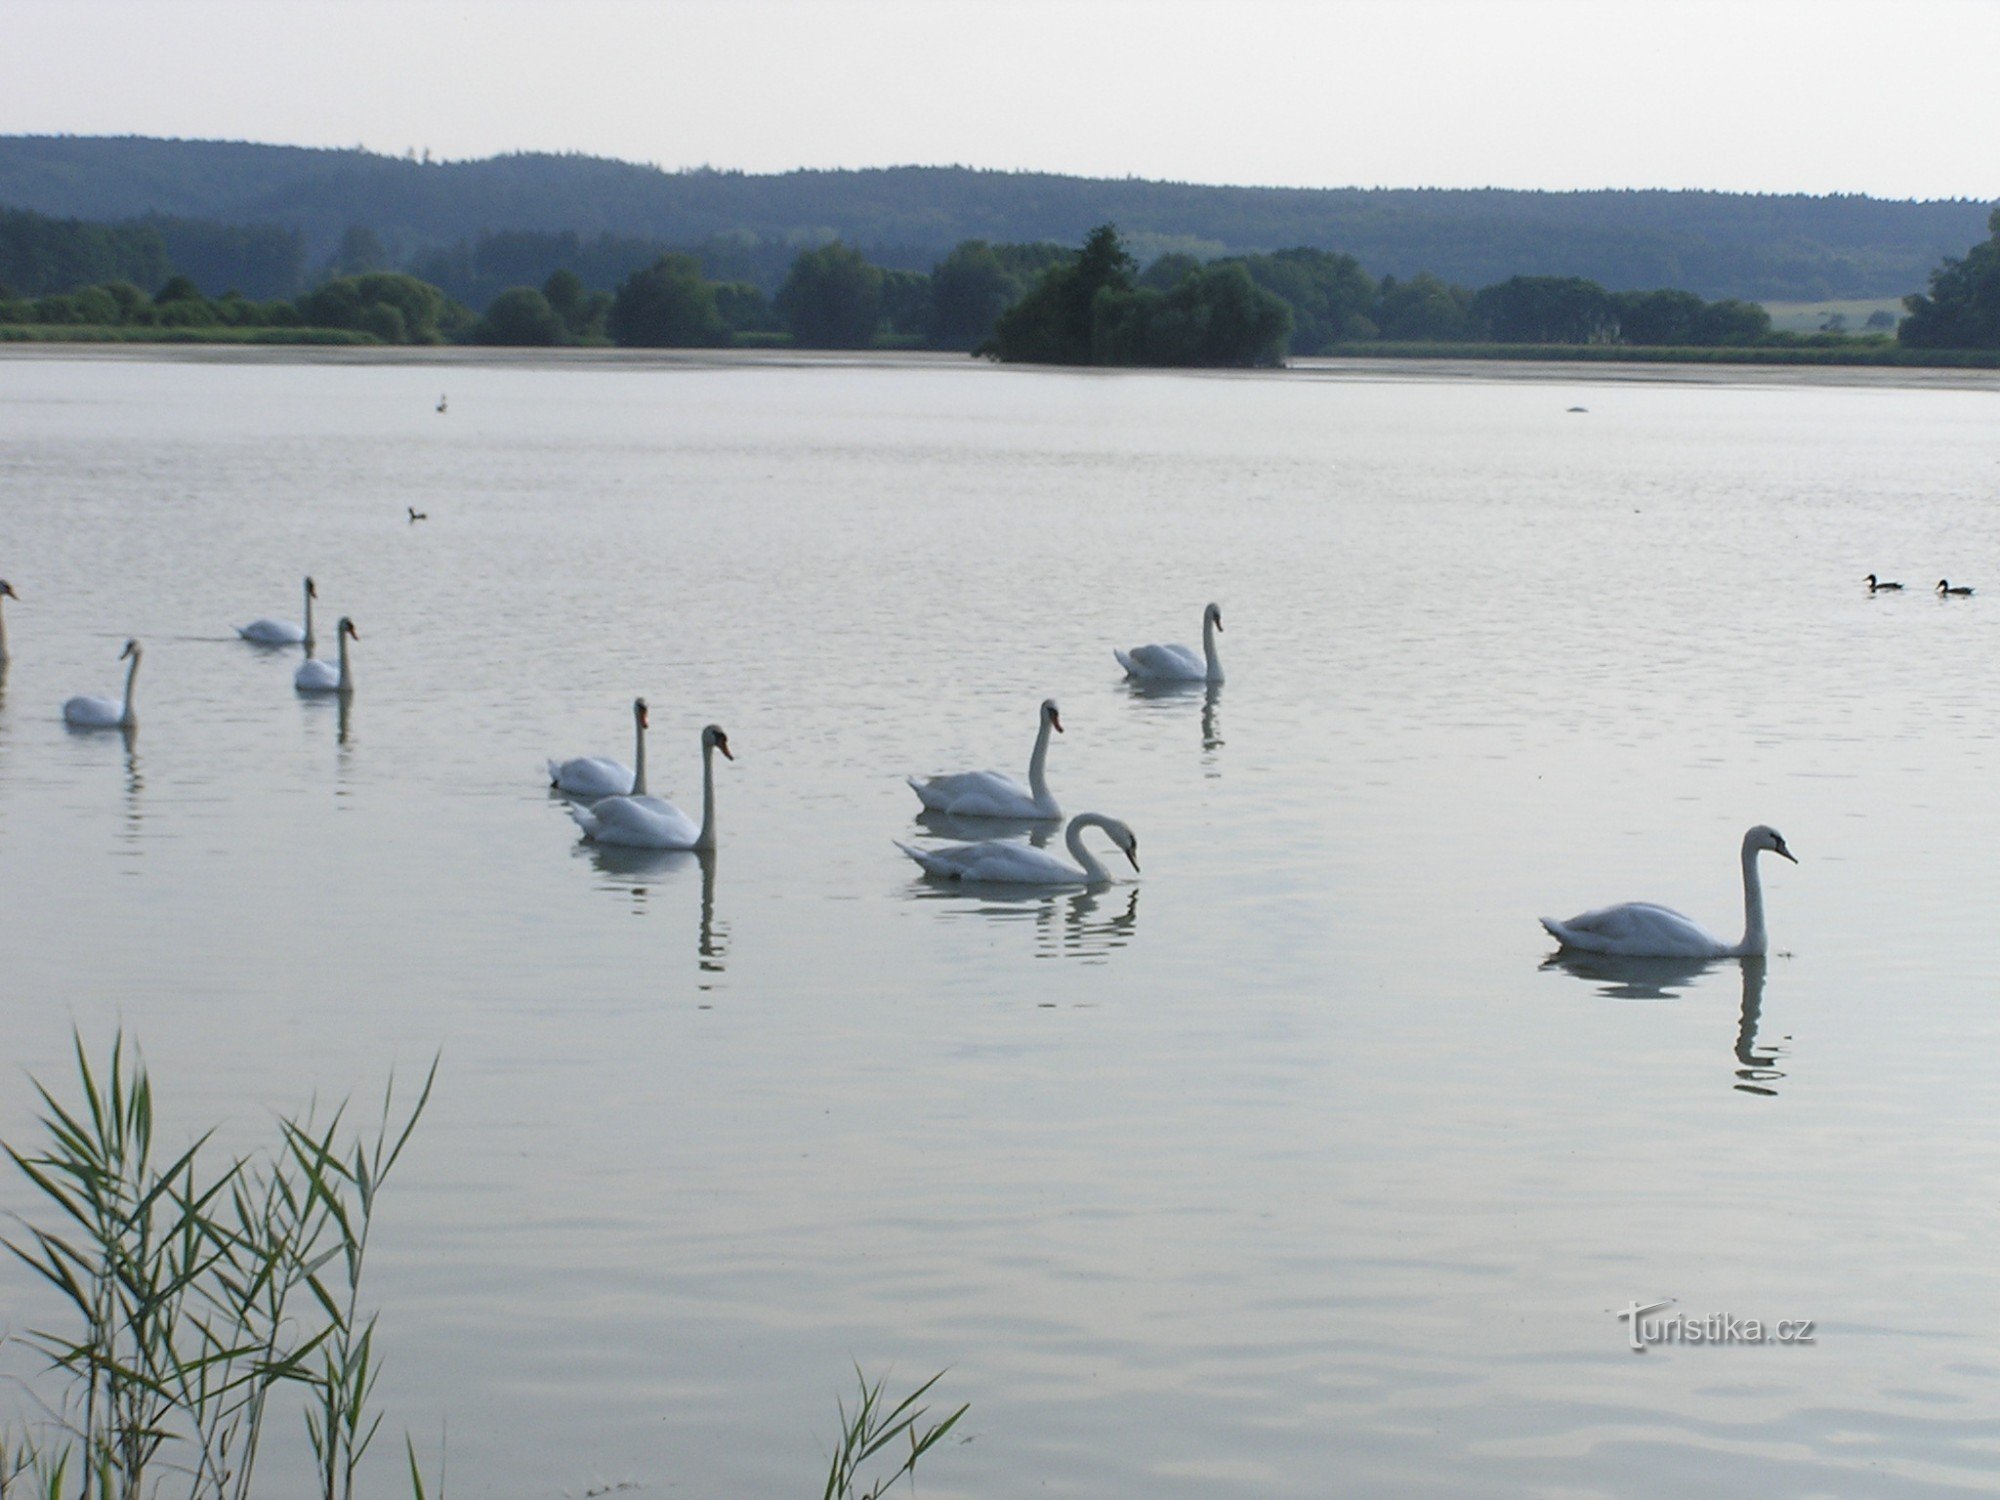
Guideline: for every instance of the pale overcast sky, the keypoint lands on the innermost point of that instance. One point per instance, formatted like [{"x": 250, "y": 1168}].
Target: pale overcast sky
[{"x": 1896, "y": 99}]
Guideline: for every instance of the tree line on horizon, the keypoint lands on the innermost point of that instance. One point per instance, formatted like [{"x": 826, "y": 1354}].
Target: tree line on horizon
[{"x": 1039, "y": 302}]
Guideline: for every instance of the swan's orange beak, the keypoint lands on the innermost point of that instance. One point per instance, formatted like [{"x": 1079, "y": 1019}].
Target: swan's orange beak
[
  {"x": 723, "y": 746},
  {"x": 1055, "y": 720},
  {"x": 644, "y": 721}
]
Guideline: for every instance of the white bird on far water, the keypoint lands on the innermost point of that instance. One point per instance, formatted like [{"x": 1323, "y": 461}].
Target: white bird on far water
[
  {"x": 86, "y": 712},
  {"x": 316, "y": 676},
  {"x": 599, "y": 775},
  {"x": 989, "y": 794},
  {"x": 1640, "y": 929},
  {"x": 647, "y": 822},
  {"x": 1010, "y": 862},
  {"x": 284, "y": 632},
  {"x": 1177, "y": 663}
]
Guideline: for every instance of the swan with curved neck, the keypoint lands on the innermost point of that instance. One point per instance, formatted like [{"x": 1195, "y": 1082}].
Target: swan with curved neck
[
  {"x": 1639, "y": 929},
  {"x": 316, "y": 676},
  {"x": 1177, "y": 663},
  {"x": 601, "y": 776},
  {"x": 1008, "y": 862},
  {"x": 989, "y": 794},
  {"x": 86, "y": 712},
  {"x": 642, "y": 822},
  {"x": 284, "y": 632},
  {"x": 6, "y": 592}
]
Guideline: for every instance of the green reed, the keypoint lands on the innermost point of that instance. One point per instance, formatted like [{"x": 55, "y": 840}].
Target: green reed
[
  {"x": 195, "y": 1291},
  {"x": 874, "y": 1426}
]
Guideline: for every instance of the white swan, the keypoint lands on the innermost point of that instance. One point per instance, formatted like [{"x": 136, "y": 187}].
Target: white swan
[
  {"x": 599, "y": 775},
  {"x": 1639, "y": 929},
  {"x": 316, "y": 676},
  {"x": 107, "y": 713},
  {"x": 988, "y": 794},
  {"x": 641, "y": 822},
  {"x": 1177, "y": 663},
  {"x": 6, "y": 592},
  {"x": 1007, "y": 862},
  {"x": 284, "y": 632}
]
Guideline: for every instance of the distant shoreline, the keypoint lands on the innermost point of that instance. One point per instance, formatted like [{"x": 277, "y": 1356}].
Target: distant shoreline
[{"x": 1454, "y": 366}]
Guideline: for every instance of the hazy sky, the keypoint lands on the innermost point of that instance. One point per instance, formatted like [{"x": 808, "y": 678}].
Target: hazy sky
[{"x": 1897, "y": 99}]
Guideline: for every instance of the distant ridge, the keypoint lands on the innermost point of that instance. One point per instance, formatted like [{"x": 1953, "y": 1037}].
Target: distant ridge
[{"x": 1764, "y": 247}]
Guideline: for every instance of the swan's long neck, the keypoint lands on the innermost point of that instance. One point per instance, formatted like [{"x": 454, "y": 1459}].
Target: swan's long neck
[
  {"x": 1208, "y": 648},
  {"x": 1094, "y": 872},
  {"x": 638, "y": 756},
  {"x": 706, "y": 838},
  {"x": 309, "y": 620},
  {"x": 1038, "y": 781},
  {"x": 131, "y": 672},
  {"x": 1754, "y": 939},
  {"x": 3, "y": 632},
  {"x": 346, "y": 681}
]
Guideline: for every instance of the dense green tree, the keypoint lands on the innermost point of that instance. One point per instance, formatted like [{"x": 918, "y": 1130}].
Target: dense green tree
[
  {"x": 1665, "y": 317},
  {"x": 1330, "y": 295},
  {"x": 906, "y": 302},
  {"x": 1545, "y": 310},
  {"x": 1731, "y": 322},
  {"x": 1962, "y": 309},
  {"x": 1214, "y": 317},
  {"x": 1423, "y": 309},
  {"x": 668, "y": 305},
  {"x": 1169, "y": 271},
  {"x": 745, "y": 309},
  {"x": 1054, "y": 322},
  {"x": 360, "y": 252},
  {"x": 520, "y": 317},
  {"x": 832, "y": 299},
  {"x": 970, "y": 288},
  {"x": 397, "y": 309}
]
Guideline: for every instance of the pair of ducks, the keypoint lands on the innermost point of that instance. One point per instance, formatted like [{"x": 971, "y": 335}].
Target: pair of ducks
[
  {"x": 313, "y": 675},
  {"x": 620, "y": 811},
  {"x": 989, "y": 794},
  {"x": 1943, "y": 589}
]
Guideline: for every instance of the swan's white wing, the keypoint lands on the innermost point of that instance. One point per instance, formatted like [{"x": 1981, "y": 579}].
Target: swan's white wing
[
  {"x": 637, "y": 822},
  {"x": 980, "y": 794},
  {"x": 996, "y": 862},
  {"x": 591, "y": 776},
  {"x": 273, "y": 632},
  {"x": 93, "y": 713},
  {"x": 1162, "y": 661},
  {"x": 1638, "y": 929},
  {"x": 316, "y": 676}
]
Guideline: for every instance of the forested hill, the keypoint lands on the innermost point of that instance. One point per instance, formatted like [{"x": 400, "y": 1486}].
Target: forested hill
[{"x": 1716, "y": 244}]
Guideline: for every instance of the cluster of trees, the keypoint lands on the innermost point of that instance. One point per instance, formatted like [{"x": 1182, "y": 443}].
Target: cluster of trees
[
  {"x": 1092, "y": 310},
  {"x": 1760, "y": 246},
  {"x": 384, "y": 305},
  {"x": 1962, "y": 309},
  {"x": 41, "y": 255}
]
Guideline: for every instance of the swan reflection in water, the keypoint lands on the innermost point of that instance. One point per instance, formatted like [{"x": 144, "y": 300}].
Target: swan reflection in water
[
  {"x": 1620, "y": 978},
  {"x": 1089, "y": 925},
  {"x": 951, "y": 828},
  {"x": 635, "y": 872},
  {"x": 1210, "y": 693}
]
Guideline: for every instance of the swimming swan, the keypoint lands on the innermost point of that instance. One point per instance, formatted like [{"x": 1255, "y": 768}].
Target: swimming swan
[
  {"x": 107, "y": 713},
  {"x": 640, "y": 822},
  {"x": 284, "y": 632},
  {"x": 6, "y": 592},
  {"x": 1007, "y": 862},
  {"x": 601, "y": 776},
  {"x": 1177, "y": 663},
  {"x": 315, "y": 676},
  {"x": 1875, "y": 587},
  {"x": 1639, "y": 929},
  {"x": 988, "y": 794}
]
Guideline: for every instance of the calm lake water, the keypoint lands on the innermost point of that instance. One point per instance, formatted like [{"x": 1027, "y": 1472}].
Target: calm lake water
[{"x": 1284, "y": 1168}]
